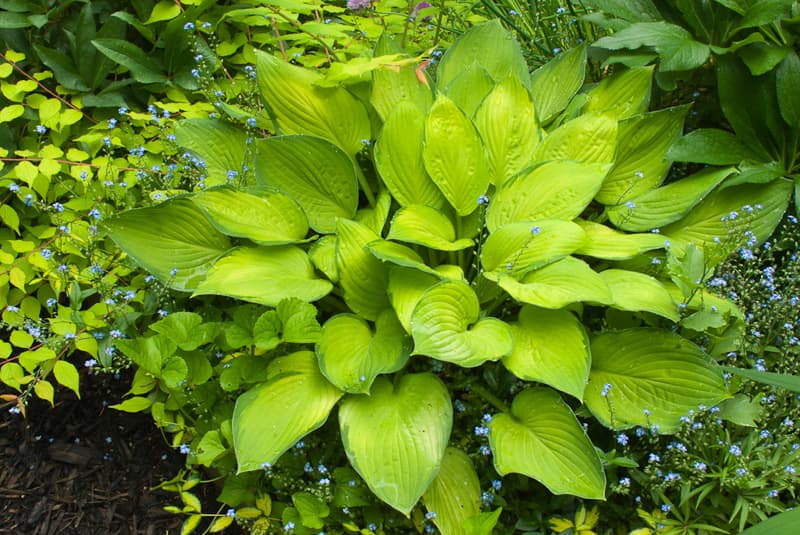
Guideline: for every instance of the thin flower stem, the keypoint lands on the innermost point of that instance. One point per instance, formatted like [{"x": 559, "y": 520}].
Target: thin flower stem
[{"x": 490, "y": 398}]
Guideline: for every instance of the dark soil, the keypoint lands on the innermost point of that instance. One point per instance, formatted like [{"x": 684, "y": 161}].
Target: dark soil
[{"x": 81, "y": 468}]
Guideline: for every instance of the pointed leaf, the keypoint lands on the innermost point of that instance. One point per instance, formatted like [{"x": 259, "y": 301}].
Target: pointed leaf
[
  {"x": 399, "y": 255},
  {"x": 469, "y": 88},
  {"x": 587, "y": 139},
  {"x": 323, "y": 255},
  {"x": 375, "y": 217},
  {"x": 351, "y": 356},
  {"x": 67, "y": 375},
  {"x": 393, "y": 87},
  {"x": 655, "y": 376},
  {"x": 541, "y": 438},
  {"x": 455, "y": 494},
  {"x": 712, "y": 146},
  {"x": 265, "y": 275},
  {"x": 363, "y": 277},
  {"x": 622, "y": 95},
  {"x": 301, "y": 107},
  {"x": 787, "y": 85},
  {"x": 426, "y": 226},
  {"x": 445, "y": 326},
  {"x": 454, "y": 156},
  {"x": 219, "y": 144},
  {"x": 396, "y": 437},
  {"x": 604, "y": 242},
  {"x": 142, "y": 67},
  {"x": 636, "y": 292},
  {"x": 174, "y": 241},
  {"x": 550, "y": 347},
  {"x": 674, "y": 44},
  {"x": 270, "y": 418},
  {"x": 312, "y": 171},
  {"x": 555, "y": 83}
]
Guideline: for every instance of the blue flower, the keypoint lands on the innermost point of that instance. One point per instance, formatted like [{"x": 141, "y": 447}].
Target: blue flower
[
  {"x": 46, "y": 253},
  {"x": 41, "y": 129},
  {"x": 735, "y": 450},
  {"x": 189, "y": 26}
]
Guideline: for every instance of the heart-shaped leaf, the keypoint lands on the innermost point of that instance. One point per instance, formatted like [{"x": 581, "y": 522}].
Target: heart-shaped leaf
[
  {"x": 650, "y": 377},
  {"x": 455, "y": 494},
  {"x": 635, "y": 292},
  {"x": 588, "y": 138},
  {"x": 445, "y": 326},
  {"x": 351, "y": 356},
  {"x": 219, "y": 144},
  {"x": 396, "y": 437},
  {"x": 268, "y": 419},
  {"x": 604, "y": 242},
  {"x": 362, "y": 276},
  {"x": 550, "y": 347},
  {"x": 426, "y": 226},
  {"x": 541, "y": 438},
  {"x": 406, "y": 286},
  {"x": 265, "y": 275}
]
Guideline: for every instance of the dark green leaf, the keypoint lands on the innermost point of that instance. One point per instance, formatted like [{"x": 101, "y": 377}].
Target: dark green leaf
[{"x": 142, "y": 67}]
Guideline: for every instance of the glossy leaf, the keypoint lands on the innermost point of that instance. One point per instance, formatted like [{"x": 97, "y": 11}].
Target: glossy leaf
[
  {"x": 268, "y": 419},
  {"x": 608, "y": 244},
  {"x": 455, "y": 494},
  {"x": 363, "y": 277},
  {"x": 399, "y": 255},
  {"x": 590, "y": 138},
  {"x": 655, "y": 376},
  {"x": 406, "y": 286},
  {"x": 634, "y": 291},
  {"x": 423, "y": 225},
  {"x": 622, "y": 95},
  {"x": 445, "y": 325},
  {"x": 219, "y": 144},
  {"x": 555, "y": 83},
  {"x": 541, "y": 438},
  {"x": 396, "y": 437}
]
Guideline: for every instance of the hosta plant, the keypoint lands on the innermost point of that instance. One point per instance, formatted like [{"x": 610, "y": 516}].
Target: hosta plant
[{"x": 481, "y": 215}]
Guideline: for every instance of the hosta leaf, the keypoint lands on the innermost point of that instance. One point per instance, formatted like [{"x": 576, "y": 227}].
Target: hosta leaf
[
  {"x": 635, "y": 292},
  {"x": 622, "y": 95},
  {"x": 174, "y": 241},
  {"x": 398, "y": 158},
  {"x": 270, "y": 418},
  {"x": 393, "y": 87},
  {"x": 363, "y": 277},
  {"x": 590, "y": 138},
  {"x": 455, "y": 494},
  {"x": 265, "y": 217},
  {"x": 406, "y": 286},
  {"x": 550, "y": 347},
  {"x": 374, "y": 217},
  {"x": 641, "y": 161},
  {"x": 557, "y": 285},
  {"x": 469, "y": 88},
  {"x": 323, "y": 255},
  {"x": 396, "y": 437},
  {"x": 314, "y": 172},
  {"x": 555, "y": 83},
  {"x": 517, "y": 248},
  {"x": 666, "y": 204},
  {"x": 454, "y": 156},
  {"x": 301, "y": 107},
  {"x": 265, "y": 275},
  {"x": 445, "y": 326},
  {"x": 219, "y": 144},
  {"x": 604, "y": 242},
  {"x": 541, "y": 438},
  {"x": 399, "y": 255},
  {"x": 655, "y": 376},
  {"x": 489, "y": 45},
  {"x": 426, "y": 226},
  {"x": 351, "y": 356},
  {"x": 559, "y": 189},
  {"x": 507, "y": 124}
]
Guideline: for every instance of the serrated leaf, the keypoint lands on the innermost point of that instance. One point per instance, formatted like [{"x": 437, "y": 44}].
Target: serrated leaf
[
  {"x": 608, "y": 244},
  {"x": 445, "y": 325},
  {"x": 622, "y": 95},
  {"x": 396, "y": 437},
  {"x": 423, "y": 225},
  {"x": 362, "y": 277},
  {"x": 555, "y": 83},
  {"x": 351, "y": 355},
  {"x": 634, "y": 291},
  {"x": 455, "y": 494},
  {"x": 270, "y": 418},
  {"x": 264, "y": 275},
  {"x": 550, "y": 347},
  {"x": 174, "y": 235},
  {"x": 142, "y": 67},
  {"x": 67, "y": 375},
  {"x": 219, "y": 144},
  {"x": 589, "y": 138},
  {"x": 655, "y": 376},
  {"x": 312, "y": 171},
  {"x": 541, "y": 438}
]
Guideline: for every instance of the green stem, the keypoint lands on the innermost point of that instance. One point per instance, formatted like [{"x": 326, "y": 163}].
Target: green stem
[
  {"x": 497, "y": 303},
  {"x": 490, "y": 398},
  {"x": 362, "y": 179},
  {"x": 459, "y": 235}
]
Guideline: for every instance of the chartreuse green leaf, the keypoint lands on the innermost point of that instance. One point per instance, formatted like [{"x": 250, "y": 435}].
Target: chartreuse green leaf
[
  {"x": 550, "y": 347},
  {"x": 301, "y": 107},
  {"x": 423, "y": 225},
  {"x": 455, "y": 494},
  {"x": 351, "y": 356},
  {"x": 641, "y": 161},
  {"x": 220, "y": 144},
  {"x": 541, "y": 438},
  {"x": 393, "y": 87},
  {"x": 265, "y": 275},
  {"x": 608, "y": 244},
  {"x": 623, "y": 95},
  {"x": 556, "y": 285},
  {"x": 664, "y": 205},
  {"x": 445, "y": 325},
  {"x": 268, "y": 419},
  {"x": 758, "y": 207},
  {"x": 469, "y": 88},
  {"x": 323, "y": 255},
  {"x": 489, "y": 45},
  {"x": 312, "y": 171},
  {"x": 263, "y": 216},
  {"x": 634, "y": 291},
  {"x": 557, "y": 189},
  {"x": 174, "y": 241},
  {"x": 589, "y": 138},
  {"x": 506, "y": 121},
  {"x": 149, "y": 353},
  {"x": 555, "y": 83},
  {"x": 67, "y": 375},
  {"x": 298, "y": 321},
  {"x": 375, "y": 217},
  {"x": 362, "y": 276},
  {"x": 650, "y": 377},
  {"x": 517, "y": 248},
  {"x": 399, "y": 161},
  {"x": 406, "y": 286},
  {"x": 396, "y": 437},
  {"x": 399, "y": 255},
  {"x": 454, "y": 156}
]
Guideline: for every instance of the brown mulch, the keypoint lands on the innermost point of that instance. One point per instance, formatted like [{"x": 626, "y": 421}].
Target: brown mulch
[{"x": 81, "y": 468}]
